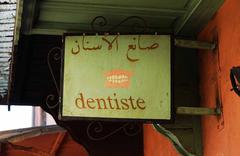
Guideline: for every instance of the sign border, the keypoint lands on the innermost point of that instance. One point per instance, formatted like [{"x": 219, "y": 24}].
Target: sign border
[{"x": 68, "y": 118}]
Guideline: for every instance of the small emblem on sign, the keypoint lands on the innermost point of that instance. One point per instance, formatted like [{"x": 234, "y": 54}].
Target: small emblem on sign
[{"x": 118, "y": 79}]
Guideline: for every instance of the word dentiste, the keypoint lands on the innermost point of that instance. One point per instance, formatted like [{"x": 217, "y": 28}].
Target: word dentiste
[{"x": 110, "y": 103}]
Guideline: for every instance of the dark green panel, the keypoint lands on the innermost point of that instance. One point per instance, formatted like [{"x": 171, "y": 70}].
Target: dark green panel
[
  {"x": 200, "y": 17},
  {"x": 183, "y": 17},
  {"x": 78, "y": 16},
  {"x": 174, "y": 4}
]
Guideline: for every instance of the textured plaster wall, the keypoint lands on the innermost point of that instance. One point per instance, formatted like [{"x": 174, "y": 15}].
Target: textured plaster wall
[
  {"x": 156, "y": 144},
  {"x": 221, "y": 136}
]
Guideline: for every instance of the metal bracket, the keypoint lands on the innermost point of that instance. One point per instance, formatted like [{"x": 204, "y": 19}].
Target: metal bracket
[
  {"x": 198, "y": 111},
  {"x": 176, "y": 143},
  {"x": 194, "y": 44}
]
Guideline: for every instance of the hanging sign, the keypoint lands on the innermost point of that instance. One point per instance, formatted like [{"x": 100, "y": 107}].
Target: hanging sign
[{"x": 117, "y": 77}]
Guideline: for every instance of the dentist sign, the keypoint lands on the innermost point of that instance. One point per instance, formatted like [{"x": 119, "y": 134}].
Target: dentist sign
[{"x": 116, "y": 77}]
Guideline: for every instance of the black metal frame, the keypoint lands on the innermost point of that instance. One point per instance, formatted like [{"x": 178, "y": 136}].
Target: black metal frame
[
  {"x": 101, "y": 22},
  {"x": 97, "y": 130},
  {"x": 51, "y": 98},
  {"x": 235, "y": 79},
  {"x": 66, "y": 118}
]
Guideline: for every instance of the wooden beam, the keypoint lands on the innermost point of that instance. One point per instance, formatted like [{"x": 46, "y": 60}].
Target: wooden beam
[
  {"x": 197, "y": 111},
  {"x": 194, "y": 44},
  {"x": 8, "y": 1},
  {"x": 7, "y": 27},
  {"x": 8, "y": 6}
]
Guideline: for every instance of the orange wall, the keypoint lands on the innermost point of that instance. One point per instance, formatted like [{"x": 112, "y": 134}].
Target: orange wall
[
  {"x": 58, "y": 143},
  {"x": 221, "y": 136},
  {"x": 156, "y": 144}
]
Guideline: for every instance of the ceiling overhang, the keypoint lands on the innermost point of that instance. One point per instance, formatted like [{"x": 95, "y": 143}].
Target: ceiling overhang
[{"x": 54, "y": 17}]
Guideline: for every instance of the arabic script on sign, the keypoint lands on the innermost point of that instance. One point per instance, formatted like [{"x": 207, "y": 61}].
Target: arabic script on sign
[{"x": 85, "y": 45}]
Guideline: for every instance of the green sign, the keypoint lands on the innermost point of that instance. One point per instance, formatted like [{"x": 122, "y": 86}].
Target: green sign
[{"x": 117, "y": 76}]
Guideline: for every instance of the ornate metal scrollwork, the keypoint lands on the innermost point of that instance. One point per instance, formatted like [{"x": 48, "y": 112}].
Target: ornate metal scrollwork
[
  {"x": 98, "y": 130},
  {"x": 52, "y": 100},
  {"x": 95, "y": 130},
  {"x": 98, "y": 23},
  {"x": 139, "y": 24}
]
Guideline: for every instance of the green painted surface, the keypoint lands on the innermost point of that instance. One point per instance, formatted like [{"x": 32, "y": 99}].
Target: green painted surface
[
  {"x": 131, "y": 78},
  {"x": 179, "y": 17},
  {"x": 175, "y": 4}
]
